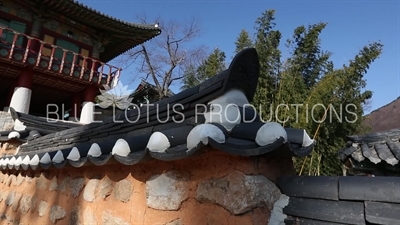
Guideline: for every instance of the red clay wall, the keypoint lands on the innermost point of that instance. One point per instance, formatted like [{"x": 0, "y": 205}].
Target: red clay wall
[{"x": 214, "y": 188}]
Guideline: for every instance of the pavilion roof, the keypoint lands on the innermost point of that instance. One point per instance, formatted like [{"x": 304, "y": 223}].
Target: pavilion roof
[{"x": 122, "y": 35}]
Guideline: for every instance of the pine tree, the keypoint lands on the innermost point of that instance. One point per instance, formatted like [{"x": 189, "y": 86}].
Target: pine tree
[
  {"x": 190, "y": 78},
  {"x": 214, "y": 64},
  {"x": 243, "y": 41}
]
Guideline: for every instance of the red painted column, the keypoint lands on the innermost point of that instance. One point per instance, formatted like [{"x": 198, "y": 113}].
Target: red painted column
[
  {"x": 21, "y": 98},
  {"x": 90, "y": 93},
  {"x": 25, "y": 78}
]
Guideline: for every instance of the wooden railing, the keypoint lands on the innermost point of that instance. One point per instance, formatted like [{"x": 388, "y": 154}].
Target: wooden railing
[{"x": 20, "y": 48}]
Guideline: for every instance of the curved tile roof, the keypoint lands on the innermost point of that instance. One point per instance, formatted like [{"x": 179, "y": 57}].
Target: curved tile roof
[
  {"x": 211, "y": 114},
  {"x": 124, "y": 35},
  {"x": 142, "y": 26},
  {"x": 374, "y": 151},
  {"x": 40, "y": 124}
]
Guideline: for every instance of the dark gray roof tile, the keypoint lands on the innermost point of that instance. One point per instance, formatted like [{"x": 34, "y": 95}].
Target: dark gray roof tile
[
  {"x": 385, "y": 154},
  {"x": 382, "y": 213},
  {"x": 326, "y": 210},
  {"x": 302, "y": 221},
  {"x": 394, "y": 148},
  {"x": 310, "y": 187},
  {"x": 384, "y": 189},
  {"x": 361, "y": 200},
  {"x": 357, "y": 155}
]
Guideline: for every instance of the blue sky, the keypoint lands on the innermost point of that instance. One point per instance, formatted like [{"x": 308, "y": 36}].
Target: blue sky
[{"x": 351, "y": 25}]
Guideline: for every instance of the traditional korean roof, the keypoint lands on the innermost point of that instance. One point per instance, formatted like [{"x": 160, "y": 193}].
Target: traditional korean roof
[
  {"x": 211, "y": 114},
  {"x": 43, "y": 125},
  {"x": 340, "y": 200},
  {"x": 375, "y": 152},
  {"x": 123, "y": 35}
]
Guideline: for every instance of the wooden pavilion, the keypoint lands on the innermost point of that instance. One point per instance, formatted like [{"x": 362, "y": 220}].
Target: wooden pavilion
[{"x": 56, "y": 53}]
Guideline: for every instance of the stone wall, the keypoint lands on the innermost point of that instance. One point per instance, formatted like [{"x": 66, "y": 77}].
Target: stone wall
[
  {"x": 214, "y": 188},
  {"x": 6, "y": 121}
]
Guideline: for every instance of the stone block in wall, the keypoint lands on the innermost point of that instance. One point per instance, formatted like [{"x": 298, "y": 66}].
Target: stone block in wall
[
  {"x": 239, "y": 193},
  {"x": 123, "y": 190},
  {"x": 76, "y": 186},
  {"x": 27, "y": 203},
  {"x": 167, "y": 191},
  {"x": 105, "y": 188},
  {"x": 89, "y": 193},
  {"x": 41, "y": 182},
  {"x": 75, "y": 218},
  {"x": 10, "y": 198},
  {"x": 42, "y": 208},
  {"x": 56, "y": 213},
  {"x": 53, "y": 184},
  {"x": 15, "y": 203}
]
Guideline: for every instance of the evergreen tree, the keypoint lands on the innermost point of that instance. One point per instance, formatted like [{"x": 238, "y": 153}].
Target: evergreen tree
[
  {"x": 243, "y": 41},
  {"x": 190, "y": 78},
  {"x": 308, "y": 59},
  {"x": 341, "y": 91},
  {"x": 214, "y": 64},
  {"x": 267, "y": 45},
  {"x": 330, "y": 101}
]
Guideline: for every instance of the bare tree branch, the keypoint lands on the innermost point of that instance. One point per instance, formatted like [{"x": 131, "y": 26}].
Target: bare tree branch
[
  {"x": 149, "y": 65},
  {"x": 165, "y": 58}
]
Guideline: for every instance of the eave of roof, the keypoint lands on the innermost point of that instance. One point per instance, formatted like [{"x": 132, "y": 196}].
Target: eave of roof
[
  {"x": 126, "y": 35},
  {"x": 374, "y": 151}
]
